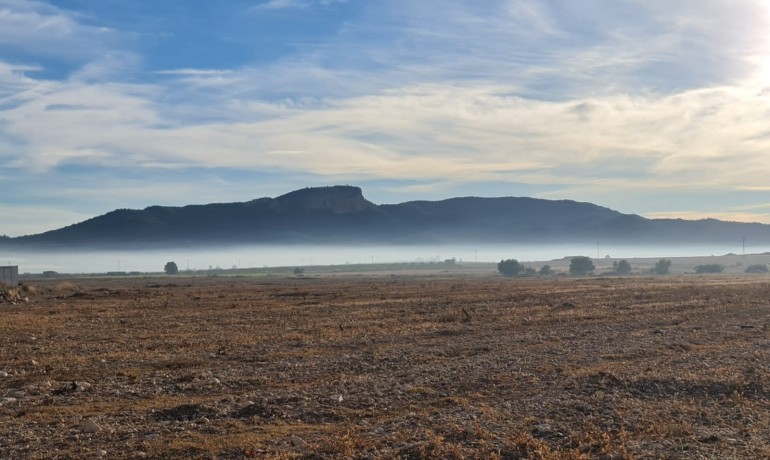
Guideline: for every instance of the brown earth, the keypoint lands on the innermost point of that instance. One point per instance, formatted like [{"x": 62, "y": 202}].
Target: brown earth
[{"x": 428, "y": 366}]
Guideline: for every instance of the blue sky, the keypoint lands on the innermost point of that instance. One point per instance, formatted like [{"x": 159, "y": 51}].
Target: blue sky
[{"x": 652, "y": 107}]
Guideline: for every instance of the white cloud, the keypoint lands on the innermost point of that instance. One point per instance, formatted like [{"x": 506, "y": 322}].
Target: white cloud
[
  {"x": 26, "y": 220},
  {"x": 284, "y": 4},
  {"x": 437, "y": 132},
  {"x": 589, "y": 97},
  {"x": 195, "y": 72},
  {"x": 41, "y": 29}
]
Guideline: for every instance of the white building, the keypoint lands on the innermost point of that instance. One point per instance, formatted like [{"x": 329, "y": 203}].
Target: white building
[{"x": 9, "y": 275}]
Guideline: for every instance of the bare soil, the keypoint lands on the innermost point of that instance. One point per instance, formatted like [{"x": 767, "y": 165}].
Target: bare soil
[{"x": 400, "y": 367}]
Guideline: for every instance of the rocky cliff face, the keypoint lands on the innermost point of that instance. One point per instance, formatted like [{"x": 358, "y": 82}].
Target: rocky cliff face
[{"x": 339, "y": 199}]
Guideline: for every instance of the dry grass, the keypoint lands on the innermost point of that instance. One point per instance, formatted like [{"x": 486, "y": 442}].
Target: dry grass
[{"x": 388, "y": 367}]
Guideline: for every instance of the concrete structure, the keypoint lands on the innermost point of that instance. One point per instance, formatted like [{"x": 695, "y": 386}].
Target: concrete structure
[{"x": 9, "y": 275}]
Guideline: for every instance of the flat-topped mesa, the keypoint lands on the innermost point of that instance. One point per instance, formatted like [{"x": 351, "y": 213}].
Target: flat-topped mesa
[{"x": 339, "y": 199}]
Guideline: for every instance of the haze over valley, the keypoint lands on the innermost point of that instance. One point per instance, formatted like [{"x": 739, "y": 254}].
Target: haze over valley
[{"x": 337, "y": 226}]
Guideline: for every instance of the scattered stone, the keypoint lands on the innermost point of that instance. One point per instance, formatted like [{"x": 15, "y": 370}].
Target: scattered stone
[
  {"x": 69, "y": 388},
  {"x": 89, "y": 426},
  {"x": 583, "y": 407},
  {"x": 82, "y": 386},
  {"x": 543, "y": 429},
  {"x": 709, "y": 439},
  {"x": 611, "y": 456},
  {"x": 298, "y": 442},
  {"x": 3, "y": 374}
]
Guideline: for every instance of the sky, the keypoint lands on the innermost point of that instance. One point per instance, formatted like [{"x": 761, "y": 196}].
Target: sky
[{"x": 654, "y": 107}]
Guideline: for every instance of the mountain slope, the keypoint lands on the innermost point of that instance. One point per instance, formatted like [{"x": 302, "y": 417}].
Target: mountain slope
[{"x": 341, "y": 214}]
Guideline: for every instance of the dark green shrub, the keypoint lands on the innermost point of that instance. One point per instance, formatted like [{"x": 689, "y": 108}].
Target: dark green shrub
[
  {"x": 581, "y": 265},
  {"x": 622, "y": 267},
  {"x": 759, "y": 268},
  {"x": 662, "y": 267},
  {"x": 171, "y": 268},
  {"x": 509, "y": 267},
  {"x": 709, "y": 268}
]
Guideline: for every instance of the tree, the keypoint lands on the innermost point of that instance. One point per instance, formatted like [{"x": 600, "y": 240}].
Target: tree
[
  {"x": 509, "y": 267},
  {"x": 545, "y": 270},
  {"x": 759, "y": 268},
  {"x": 662, "y": 267},
  {"x": 709, "y": 268},
  {"x": 299, "y": 270},
  {"x": 622, "y": 267},
  {"x": 171, "y": 268},
  {"x": 581, "y": 265}
]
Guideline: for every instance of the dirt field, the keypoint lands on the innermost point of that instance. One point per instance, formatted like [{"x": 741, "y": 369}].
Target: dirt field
[{"x": 387, "y": 367}]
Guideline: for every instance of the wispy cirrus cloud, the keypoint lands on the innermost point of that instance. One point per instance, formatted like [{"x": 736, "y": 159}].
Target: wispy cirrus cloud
[
  {"x": 38, "y": 28},
  {"x": 284, "y": 4},
  {"x": 560, "y": 99}
]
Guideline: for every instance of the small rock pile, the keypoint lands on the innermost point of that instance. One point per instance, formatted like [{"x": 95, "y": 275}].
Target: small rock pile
[{"x": 12, "y": 296}]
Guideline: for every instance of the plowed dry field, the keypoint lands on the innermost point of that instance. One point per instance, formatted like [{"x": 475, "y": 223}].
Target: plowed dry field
[{"x": 393, "y": 367}]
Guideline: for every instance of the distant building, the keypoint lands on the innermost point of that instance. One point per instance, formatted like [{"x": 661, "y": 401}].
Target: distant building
[{"x": 9, "y": 275}]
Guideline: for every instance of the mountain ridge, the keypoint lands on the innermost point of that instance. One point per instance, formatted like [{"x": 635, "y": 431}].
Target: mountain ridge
[{"x": 341, "y": 214}]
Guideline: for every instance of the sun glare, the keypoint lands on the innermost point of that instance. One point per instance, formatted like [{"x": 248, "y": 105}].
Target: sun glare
[{"x": 762, "y": 60}]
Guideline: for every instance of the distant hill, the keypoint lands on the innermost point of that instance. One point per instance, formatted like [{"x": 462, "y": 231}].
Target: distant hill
[{"x": 341, "y": 214}]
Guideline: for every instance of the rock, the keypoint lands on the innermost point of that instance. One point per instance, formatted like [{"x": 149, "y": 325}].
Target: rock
[
  {"x": 611, "y": 456},
  {"x": 298, "y": 442},
  {"x": 584, "y": 407},
  {"x": 82, "y": 386},
  {"x": 3, "y": 374},
  {"x": 101, "y": 453},
  {"x": 70, "y": 387},
  {"x": 542, "y": 429},
  {"x": 89, "y": 426},
  {"x": 337, "y": 399}
]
